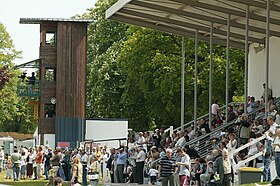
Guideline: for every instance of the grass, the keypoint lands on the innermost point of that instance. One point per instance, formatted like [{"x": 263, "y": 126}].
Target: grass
[{"x": 41, "y": 182}]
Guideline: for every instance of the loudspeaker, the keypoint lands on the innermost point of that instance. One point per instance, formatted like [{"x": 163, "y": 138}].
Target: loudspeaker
[{"x": 276, "y": 181}]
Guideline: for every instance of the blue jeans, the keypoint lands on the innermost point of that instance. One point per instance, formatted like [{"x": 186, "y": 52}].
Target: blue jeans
[
  {"x": 16, "y": 172},
  {"x": 46, "y": 168},
  {"x": 266, "y": 169},
  {"x": 84, "y": 175},
  {"x": 277, "y": 163}
]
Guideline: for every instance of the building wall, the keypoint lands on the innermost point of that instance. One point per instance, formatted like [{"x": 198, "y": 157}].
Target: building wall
[
  {"x": 256, "y": 74},
  {"x": 71, "y": 70}
]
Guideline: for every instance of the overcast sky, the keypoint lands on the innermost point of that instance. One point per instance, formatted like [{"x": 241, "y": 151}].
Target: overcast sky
[{"x": 26, "y": 37}]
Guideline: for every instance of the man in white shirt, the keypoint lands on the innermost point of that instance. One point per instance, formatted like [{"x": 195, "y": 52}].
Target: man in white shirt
[
  {"x": 215, "y": 108},
  {"x": 85, "y": 161},
  {"x": 141, "y": 156},
  {"x": 276, "y": 146},
  {"x": 141, "y": 139},
  {"x": 272, "y": 124}
]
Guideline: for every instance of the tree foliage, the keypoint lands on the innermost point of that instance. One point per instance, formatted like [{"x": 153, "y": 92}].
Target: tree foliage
[
  {"x": 135, "y": 73},
  {"x": 14, "y": 110}
]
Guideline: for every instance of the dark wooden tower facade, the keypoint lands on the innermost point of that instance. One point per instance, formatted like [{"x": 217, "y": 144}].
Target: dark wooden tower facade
[{"x": 62, "y": 72}]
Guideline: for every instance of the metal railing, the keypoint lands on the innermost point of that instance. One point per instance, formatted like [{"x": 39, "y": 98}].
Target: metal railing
[
  {"x": 26, "y": 89},
  {"x": 203, "y": 143},
  {"x": 205, "y": 116}
]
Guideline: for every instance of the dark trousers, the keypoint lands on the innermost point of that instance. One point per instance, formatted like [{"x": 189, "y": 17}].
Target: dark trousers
[
  {"x": 227, "y": 180},
  {"x": 112, "y": 177},
  {"x": 139, "y": 170},
  {"x": 134, "y": 175},
  {"x": 153, "y": 180},
  {"x": 46, "y": 168},
  {"x": 84, "y": 175},
  {"x": 119, "y": 173}
]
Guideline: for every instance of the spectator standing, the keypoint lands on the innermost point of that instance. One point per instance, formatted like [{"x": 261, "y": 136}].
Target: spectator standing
[
  {"x": 252, "y": 105},
  {"x": 244, "y": 128},
  {"x": 267, "y": 156},
  {"x": 121, "y": 160},
  {"x": 85, "y": 161},
  {"x": 276, "y": 145},
  {"x": 223, "y": 167},
  {"x": 231, "y": 114},
  {"x": 167, "y": 168},
  {"x": 110, "y": 164},
  {"x": 141, "y": 139},
  {"x": 132, "y": 161},
  {"x": 23, "y": 165},
  {"x": 94, "y": 169},
  {"x": 16, "y": 162},
  {"x": 215, "y": 108},
  {"x": 2, "y": 157},
  {"x": 184, "y": 165},
  {"x": 55, "y": 163},
  {"x": 39, "y": 162},
  {"x": 141, "y": 157},
  {"x": 47, "y": 157},
  {"x": 9, "y": 170},
  {"x": 77, "y": 172},
  {"x": 30, "y": 161},
  {"x": 31, "y": 82},
  {"x": 153, "y": 175},
  {"x": 269, "y": 93},
  {"x": 271, "y": 123}
]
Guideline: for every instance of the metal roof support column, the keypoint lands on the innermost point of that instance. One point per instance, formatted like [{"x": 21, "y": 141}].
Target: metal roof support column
[
  {"x": 246, "y": 60},
  {"x": 195, "y": 80},
  {"x": 227, "y": 64},
  {"x": 267, "y": 56},
  {"x": 183, "y": 84},
  {"x": 210, "y": 75}
]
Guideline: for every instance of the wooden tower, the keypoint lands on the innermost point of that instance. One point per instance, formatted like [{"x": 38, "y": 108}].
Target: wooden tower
[{"x": 62, "y": 72}]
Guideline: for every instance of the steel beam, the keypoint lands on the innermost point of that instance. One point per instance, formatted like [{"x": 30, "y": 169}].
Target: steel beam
[
  {"x": 173, "y": 30},
  {"x": 189, "y": 25},
  {"x": 227, "y": 64},
  {"x": 201, "y": 17},
  {"x": 183, "y": 85},
  {"x": 226, "y": 10},
  {"x": 195, "y": 80},
  {"x": 257, "y": 4},
  {"x": 246, "y": 60},
  {"x": 210, "y": 76},
  {"x": 267, "y": 56}
]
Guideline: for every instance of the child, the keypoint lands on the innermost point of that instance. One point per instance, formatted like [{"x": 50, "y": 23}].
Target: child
[
  {"x": 153, "y": 174},
  {"x": 51, "y": 177},
  {"x": 9, "y": 170}
]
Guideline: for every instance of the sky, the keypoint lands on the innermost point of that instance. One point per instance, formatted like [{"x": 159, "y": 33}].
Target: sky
[{"x": 26, "y": 37}]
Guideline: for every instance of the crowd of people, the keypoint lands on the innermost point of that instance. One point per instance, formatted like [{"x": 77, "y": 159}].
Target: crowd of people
[{"x": 153, "y": 156}]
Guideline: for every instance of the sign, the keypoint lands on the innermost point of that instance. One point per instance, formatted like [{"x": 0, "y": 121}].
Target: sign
[{"x": 63, "y": 144}]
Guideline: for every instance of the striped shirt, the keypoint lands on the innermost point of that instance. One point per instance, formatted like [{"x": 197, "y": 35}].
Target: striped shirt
[{"x": 167, "y": 166}]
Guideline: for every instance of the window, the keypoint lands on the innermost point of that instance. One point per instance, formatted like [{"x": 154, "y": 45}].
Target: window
[
  {"x": 50, "y": 74},
  {"x": 49, "y": 110},
  {"x": 50, "y": 38}
]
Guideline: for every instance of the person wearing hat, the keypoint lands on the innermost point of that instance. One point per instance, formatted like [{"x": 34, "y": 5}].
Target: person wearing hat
[{"x": 141, "y": 139}]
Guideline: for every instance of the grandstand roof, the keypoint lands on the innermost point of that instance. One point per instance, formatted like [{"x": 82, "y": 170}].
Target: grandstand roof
[{"x": 184, "y": 17}]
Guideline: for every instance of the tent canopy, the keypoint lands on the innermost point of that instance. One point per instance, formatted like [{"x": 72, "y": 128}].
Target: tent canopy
[{"x": 184, "y": 17}]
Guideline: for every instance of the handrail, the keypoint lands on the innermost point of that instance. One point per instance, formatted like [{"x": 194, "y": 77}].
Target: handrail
[
  {"x": 249, "y": 144},
  {"x": 201, "y": 117}
]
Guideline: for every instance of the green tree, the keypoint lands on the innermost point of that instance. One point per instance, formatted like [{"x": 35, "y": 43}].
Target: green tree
[{"x": 13, "y": 109}]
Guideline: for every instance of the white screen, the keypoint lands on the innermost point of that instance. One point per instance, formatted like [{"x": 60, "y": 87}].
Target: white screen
[{"x": 106, "y": 129}]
